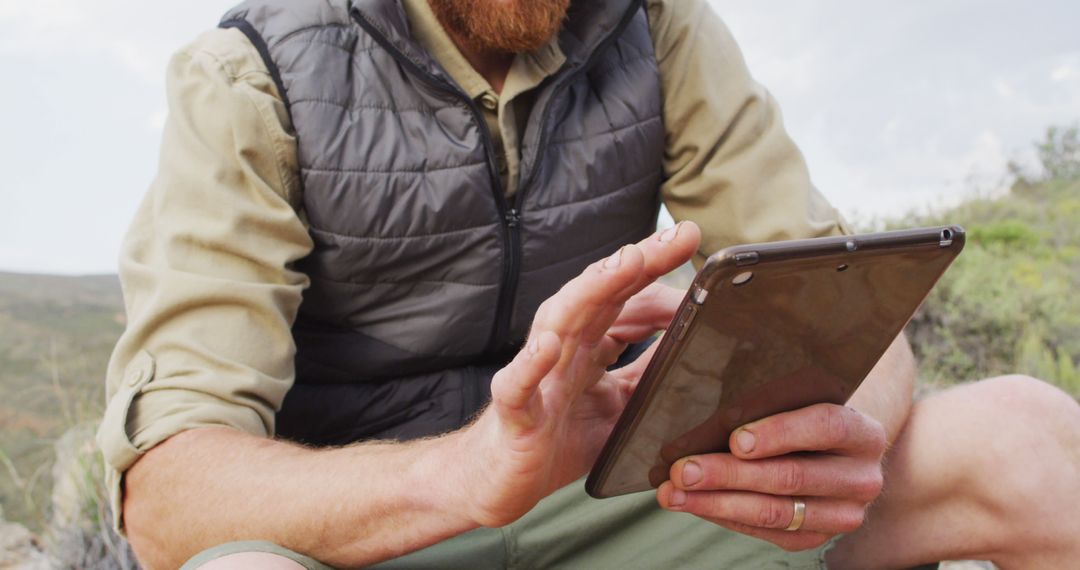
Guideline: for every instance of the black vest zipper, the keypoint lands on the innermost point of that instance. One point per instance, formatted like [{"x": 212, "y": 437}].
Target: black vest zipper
[
  {"x": 509, "y": 291},
  {"x": 510, "y": 218}
]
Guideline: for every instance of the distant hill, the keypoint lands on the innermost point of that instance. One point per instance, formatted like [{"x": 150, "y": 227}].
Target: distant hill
[{"x": 56, "y": 334}]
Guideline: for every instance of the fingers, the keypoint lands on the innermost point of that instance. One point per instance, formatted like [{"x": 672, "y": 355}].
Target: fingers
[
  {"x": 606, "y": 352},
  {"x": 751, "y": 489},
  {"x": 653, "y": 307},
  {"x": 817, "y": 476},
  {"x": 599, "y": 291},
  {"x": 591, "y": 365},
  {"x": 662, "y": 253},
  {"x": 665, "y": 251},
  {"x": 514, "y": 389},
  {"x": 821, "y": 427},
  {"x": 760, "y": 511},
  {"x": 647, "y": 312},
  {"x": 588, "y": 305},
  {"x": 580, "y": 314}
]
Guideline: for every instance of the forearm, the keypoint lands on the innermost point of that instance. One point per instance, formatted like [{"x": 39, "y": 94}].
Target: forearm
[
  {"x": 886, "y": 393},
  {"x": 346, "y": 506}
]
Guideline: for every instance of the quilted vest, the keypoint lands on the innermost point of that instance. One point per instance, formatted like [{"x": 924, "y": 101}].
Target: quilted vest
[{"x": 424, "y": 275}]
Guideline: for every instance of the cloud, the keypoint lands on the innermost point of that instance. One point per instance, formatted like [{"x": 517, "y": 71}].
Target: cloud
[
  {"x": 134, "y": 35},
  {"x": 1068, "y": 70},
  {"x": 83, "y": 144},
  {"x": 902, "y": 105}
]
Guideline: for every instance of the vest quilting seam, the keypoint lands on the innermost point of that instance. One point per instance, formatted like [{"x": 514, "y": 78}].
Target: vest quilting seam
[
  {"x": 311, "y": 28},
  {"x": 609, "y": 132},
  {"x": 348, "y": 106},
  {"x": 320, "y": 277},
  {"x": 351, "y": 51},
  {"x": 323, "y": 169},
  {"x": 598, "y": 74},
  {"x": 331, "y": 233},
  {"x": 346, "y": 371},
  {"x": 593, "y": 254},
  {"x": 625, "y": 187},
  {"x": 635, "y": 52}
]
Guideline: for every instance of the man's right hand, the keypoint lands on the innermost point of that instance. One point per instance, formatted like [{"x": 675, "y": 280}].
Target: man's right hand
[{"x": 554, "y": 405}]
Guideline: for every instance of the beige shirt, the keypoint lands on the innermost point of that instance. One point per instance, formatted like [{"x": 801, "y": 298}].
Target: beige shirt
[{"x": 206, "y": 266}]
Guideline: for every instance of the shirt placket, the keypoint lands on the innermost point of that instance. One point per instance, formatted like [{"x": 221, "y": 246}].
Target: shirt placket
[{"x": 489, "y": 102}]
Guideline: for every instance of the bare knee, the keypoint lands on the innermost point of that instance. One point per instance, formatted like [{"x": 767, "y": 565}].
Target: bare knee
[
  {"x": 1017, "y": 447},
  {"x": 986, "y": 470},
  {"x": 1032, "y": 415},
  {"x": 245, "y": 560},
  {"x": 1030, "y": 393},
  {"x": 1014, "y": 417}
]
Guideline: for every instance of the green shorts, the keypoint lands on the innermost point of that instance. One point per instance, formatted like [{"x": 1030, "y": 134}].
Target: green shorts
[{"x": 569, "y": 529}]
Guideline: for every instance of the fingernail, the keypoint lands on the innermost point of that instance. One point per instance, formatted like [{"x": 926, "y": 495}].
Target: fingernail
[
  {"x": 745, "y": 440},
  {"x": 670, "y": 233},
  {"x": 677, "y": 498},
  {"x": 613, "y": 261},
  {"x": 691, "y": 473},
  {"x": 533, "y": 347}
]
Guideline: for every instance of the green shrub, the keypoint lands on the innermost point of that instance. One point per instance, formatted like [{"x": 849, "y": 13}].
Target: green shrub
[{"x": 1010, "y": 302}]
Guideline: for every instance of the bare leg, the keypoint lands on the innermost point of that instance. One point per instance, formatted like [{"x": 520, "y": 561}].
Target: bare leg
[
  {"x": 246, "y": 560},
  {"x": 983, "y": 471}
]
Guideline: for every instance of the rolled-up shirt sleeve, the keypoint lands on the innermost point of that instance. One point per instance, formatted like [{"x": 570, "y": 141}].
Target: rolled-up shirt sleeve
[
  {"x": 731, "y": 166},
  {"x": 205, "y": 267}
]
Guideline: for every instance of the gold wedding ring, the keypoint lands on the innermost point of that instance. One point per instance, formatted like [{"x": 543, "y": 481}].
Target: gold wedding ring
[{"x": 799, "y": 516}]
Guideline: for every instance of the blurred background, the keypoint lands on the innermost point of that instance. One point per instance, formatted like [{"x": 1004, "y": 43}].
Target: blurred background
[{"x": 908, "y": 112}]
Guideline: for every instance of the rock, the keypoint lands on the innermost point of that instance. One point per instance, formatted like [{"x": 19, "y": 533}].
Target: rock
[
  {"x": 79, "y": 533},
  {"x": 75, "y": 472},
  {"x": 19, "y": 548}
]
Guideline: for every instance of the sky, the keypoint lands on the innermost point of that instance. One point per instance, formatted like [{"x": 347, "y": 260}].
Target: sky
[{"x": 897, "y": 105}]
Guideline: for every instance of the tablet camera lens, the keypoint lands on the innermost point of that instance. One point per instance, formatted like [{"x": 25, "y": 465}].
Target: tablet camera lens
[
  {"x": 742, "y": 278},
  {"x": 946, "y": 237},
  {"x": 842, "y": 267}
]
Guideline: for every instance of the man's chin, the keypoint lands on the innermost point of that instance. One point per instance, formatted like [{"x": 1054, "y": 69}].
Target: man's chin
[{"x": 501, "y": 25}]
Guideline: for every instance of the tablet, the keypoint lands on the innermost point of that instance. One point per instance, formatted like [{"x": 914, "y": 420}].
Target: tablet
[{"x": 767, "y": 328}]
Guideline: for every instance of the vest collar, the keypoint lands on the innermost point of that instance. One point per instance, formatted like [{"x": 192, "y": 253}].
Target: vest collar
[
  {"x": 588, "y": 24},
  {"x": 390, "y": 21}
]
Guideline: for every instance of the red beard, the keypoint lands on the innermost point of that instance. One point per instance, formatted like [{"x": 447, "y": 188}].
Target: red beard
[{"x": 501, "y": 25}]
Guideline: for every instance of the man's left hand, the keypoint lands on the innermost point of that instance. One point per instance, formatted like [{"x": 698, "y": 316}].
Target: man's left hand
[{"x": 827, "y": 456}]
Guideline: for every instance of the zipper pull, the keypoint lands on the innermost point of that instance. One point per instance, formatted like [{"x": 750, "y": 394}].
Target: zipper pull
[{"x": 513, "y": 218}]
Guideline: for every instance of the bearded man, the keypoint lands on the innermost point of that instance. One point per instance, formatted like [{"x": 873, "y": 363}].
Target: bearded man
[{"x": 360, "y": 211}]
